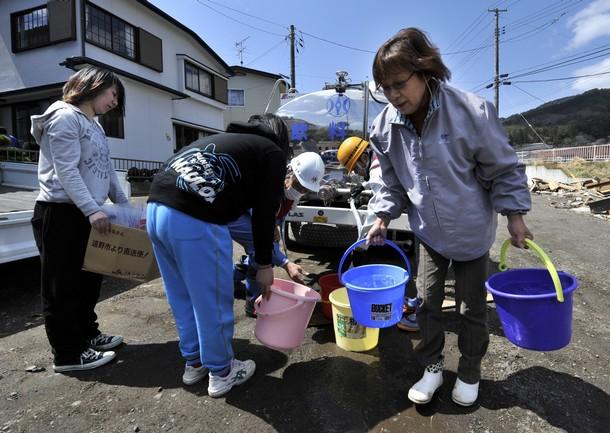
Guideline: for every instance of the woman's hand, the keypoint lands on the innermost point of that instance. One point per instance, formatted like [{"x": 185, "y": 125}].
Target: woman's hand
[
  {"x": 100, "y": 222},
  {"x": 518, "y": 231},
  {"x": 295, "y": 272},
  {"x": 264, "y": 277},
  {"x": 377, "y": 234}
]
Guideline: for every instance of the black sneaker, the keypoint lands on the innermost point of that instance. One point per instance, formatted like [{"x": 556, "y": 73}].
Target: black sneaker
[
  {"x": 105, "y": 342},
  {"x": 89, "y": 359},
  {"x": 249, "y": 308}
]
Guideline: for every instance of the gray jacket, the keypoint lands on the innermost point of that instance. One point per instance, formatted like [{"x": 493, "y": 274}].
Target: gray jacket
[
  {"x": 455, "y": 178},
  {"x": 74, "y": 164}
]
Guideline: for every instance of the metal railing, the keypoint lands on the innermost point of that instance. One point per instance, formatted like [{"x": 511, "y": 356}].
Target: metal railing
[
  {"x": 565, "y": 154},
  {"x": 126, "y": 164},
  {"x": 13, "y": 154}
]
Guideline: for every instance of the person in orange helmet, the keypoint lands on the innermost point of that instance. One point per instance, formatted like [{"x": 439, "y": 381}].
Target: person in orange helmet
[{"x": 356, "y": 155}]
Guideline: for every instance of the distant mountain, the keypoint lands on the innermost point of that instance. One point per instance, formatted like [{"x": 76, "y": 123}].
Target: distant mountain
[{"x": 572, "y": 121}]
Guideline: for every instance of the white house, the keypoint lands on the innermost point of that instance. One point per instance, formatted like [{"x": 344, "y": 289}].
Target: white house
[
  {"x": 175, "y": 84},
  {"x": 251, "y": 92}
]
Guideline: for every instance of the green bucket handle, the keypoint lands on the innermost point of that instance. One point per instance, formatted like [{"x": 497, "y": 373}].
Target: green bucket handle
[{"x": 543, "y": 257}]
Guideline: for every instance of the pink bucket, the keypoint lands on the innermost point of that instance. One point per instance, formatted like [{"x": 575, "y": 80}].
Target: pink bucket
[{"x": 281, "y": 321}]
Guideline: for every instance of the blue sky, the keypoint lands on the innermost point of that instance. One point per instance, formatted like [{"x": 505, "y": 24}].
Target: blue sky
[{"x": 564, "y": 38}]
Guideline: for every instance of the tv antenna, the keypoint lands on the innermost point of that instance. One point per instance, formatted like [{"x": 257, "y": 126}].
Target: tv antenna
[{"x": 241, "y": 49}]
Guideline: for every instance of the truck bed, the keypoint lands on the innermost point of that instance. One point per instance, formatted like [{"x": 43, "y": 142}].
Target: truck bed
[
  {"x": 16, "y": 237},
  {"x": 15, "y": 199}
]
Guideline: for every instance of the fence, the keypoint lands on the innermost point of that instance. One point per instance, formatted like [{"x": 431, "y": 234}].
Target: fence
[
  {"x": 126, "y": 164},
  {"x": 566, "y": 154},
  {"x": 12, "y": 154}
]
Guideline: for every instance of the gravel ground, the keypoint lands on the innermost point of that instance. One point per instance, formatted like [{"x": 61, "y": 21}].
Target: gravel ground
[{"x": 318, "y": 387}]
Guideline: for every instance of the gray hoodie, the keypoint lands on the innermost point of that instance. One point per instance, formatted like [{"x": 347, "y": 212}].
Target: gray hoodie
[{"x": 74, "y": 164}]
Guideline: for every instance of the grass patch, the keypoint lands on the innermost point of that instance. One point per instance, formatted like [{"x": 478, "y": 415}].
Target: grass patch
[{"x": 580, "y": 168}]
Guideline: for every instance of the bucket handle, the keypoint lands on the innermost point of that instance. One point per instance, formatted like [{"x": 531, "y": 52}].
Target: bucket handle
[
  {"x": 544, "y": 258},
  {"x": 386, "y": 241},
  {"x": 274, "y": 313}
]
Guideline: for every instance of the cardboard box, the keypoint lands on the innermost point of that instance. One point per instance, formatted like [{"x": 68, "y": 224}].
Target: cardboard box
[{"x": 123, "y": 253}]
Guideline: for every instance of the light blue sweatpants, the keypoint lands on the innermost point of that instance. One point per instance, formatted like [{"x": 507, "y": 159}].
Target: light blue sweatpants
[{"x": 195, "y": 260}]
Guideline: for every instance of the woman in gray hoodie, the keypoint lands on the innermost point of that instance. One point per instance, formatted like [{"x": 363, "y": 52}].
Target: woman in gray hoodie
[{"x": 76, "y": 176}]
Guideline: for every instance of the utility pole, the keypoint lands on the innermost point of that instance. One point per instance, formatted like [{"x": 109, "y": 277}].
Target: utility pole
[
  {"x": 292, "y": 77},
  {"x": 240, "y": 50},
  {"x": 497, "y": 77}
]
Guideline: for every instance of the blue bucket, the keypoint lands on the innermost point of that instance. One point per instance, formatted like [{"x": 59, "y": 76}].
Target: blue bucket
[
  {"x": 534, "y": 305},
  {"x": 376, "y": 292}
]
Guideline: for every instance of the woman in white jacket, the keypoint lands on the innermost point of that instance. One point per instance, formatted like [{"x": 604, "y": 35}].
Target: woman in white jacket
[{"x": 76, "y": 176}]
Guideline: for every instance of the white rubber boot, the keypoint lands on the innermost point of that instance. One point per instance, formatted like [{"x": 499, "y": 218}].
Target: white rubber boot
[
  {"x": 423, "y": 391},
  {"x": 464, "y": 394}
]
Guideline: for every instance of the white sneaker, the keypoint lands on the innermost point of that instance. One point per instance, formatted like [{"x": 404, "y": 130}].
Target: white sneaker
[
  {"x": 464, "y": 394},
  {"x": 192, "y": 375},
  {"x": 89, "y": 359},
  {"x": 240, "y": 372},
  {"x": 423, "y": 391}
]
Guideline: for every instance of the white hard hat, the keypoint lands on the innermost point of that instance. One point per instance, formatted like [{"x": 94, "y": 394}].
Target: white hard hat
[{"x": 308, "y": 167}]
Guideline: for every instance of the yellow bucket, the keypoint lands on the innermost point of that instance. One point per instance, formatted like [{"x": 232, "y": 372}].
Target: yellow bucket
[{"x": 349, "y": 334}]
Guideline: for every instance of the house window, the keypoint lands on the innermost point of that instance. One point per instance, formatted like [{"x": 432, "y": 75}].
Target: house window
[
  {"x": 197, "y": 80},
  {"x": 112, "y": 122},
  {"x": 186, "y": 135},
  {"x": 236, "y": 97},
  {"x": 30, "y": 29},
  {"x": 109, "y": 32},
  {"x": 21, "y": 114}
]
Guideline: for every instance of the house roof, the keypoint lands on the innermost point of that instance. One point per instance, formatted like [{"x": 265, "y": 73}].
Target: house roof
[
  {"x": 237, "y": 69},
  {"x": 181, "y": 26}
]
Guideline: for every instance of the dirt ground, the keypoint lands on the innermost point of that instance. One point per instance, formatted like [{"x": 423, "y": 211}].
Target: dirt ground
[{"x": 318, "y": 387}]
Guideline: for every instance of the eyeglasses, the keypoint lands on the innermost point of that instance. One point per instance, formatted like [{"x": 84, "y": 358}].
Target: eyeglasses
[{"x": 398, "y": 85}]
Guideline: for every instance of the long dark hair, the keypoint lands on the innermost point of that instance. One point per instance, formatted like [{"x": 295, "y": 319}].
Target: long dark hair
[
  {"x": 277, "y": 125},
  {"x": 89, "y": 82},
  {"x": 409, "y": 50}
]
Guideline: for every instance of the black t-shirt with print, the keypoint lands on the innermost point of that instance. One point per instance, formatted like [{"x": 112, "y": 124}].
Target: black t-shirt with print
[{"x": 218, "y": 178}]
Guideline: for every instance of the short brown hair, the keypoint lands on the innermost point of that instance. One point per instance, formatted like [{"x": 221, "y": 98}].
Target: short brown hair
[
  {"x": 409, "y": 50},
  {"x": 89, "y": 82}
]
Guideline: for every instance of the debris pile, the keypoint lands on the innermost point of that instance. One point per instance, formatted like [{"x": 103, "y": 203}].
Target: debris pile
[{"x": 590, "y": 195}]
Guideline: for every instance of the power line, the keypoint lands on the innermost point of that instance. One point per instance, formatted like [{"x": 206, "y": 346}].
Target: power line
[
  {"x": 543, "y": 13},
  {"x": 573, "y": 59},
  {"x": 528, "y": 93},
  {"x": 562, "y": 79},
  {"x": 247, "y": 14},
  {"x": 236, "y": 20},
  {"x": 267, "y": 52},
  {"x": 338, "y": 44},
  {"x": 274, "y": 23}
]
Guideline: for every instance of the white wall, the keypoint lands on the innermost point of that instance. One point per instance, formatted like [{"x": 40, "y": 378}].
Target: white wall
[
  {"x": 33, "y": 67},
  {"x": 147, "y": 124},
  {"x": 257, "y": 90}
]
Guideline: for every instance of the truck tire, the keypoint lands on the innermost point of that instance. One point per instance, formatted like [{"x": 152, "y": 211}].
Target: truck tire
[{"x": 321, "y": 235}]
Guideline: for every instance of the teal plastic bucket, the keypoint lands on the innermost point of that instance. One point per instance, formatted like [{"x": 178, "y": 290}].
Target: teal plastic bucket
[{"x": 376, "y": 292}]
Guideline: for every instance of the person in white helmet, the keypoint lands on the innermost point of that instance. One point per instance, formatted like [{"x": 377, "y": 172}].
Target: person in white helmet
[{"x": 304, "y": 173}]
